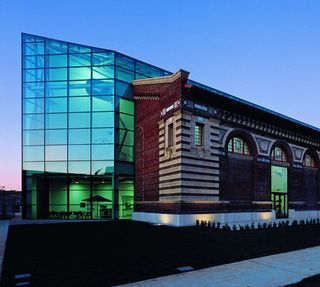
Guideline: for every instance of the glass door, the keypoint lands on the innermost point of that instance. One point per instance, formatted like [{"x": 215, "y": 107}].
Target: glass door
[{"x": 279, "y": 190}]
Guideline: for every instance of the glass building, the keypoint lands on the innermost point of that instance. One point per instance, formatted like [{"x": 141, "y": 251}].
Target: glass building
[{"x": 78, "y": 129}]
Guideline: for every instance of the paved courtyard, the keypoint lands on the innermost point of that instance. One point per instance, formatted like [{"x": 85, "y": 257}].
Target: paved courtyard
[{"x": 269, "y": 271}]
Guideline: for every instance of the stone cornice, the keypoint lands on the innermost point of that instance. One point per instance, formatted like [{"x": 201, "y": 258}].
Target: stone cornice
[
  {"x": 162, "y": 80},
  {"x": 269, "y": 129}
]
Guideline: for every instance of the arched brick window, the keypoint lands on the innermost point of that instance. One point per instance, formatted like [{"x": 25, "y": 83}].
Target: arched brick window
[
  {"x": 279, "y": 154},
  {"x": 309, "y": 161},
  {"x": 238, "y": 145}
]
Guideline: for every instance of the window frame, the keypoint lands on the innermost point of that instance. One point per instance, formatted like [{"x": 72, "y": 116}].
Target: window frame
[
  {"x": 244, "y": 144},
  {"x": 313, "y": 163},
  {"x": 199, "y": 134},
  {"x": 170, "y": 135},
  {"x": 283, "y": 155}
]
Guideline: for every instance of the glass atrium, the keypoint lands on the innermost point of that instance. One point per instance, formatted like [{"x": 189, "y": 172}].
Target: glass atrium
[{"x": 78, "y": 129}]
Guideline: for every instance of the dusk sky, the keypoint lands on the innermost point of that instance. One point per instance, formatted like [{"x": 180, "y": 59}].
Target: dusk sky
[{"x": 267, "y": 52}]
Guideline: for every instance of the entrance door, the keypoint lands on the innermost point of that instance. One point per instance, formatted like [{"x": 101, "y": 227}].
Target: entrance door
[
  {"x": 279, "y": 190},
  {"x": 280, "y": 204}
]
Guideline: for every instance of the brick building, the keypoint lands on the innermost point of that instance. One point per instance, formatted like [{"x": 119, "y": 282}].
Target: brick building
[{"x": 204, "y": 154}]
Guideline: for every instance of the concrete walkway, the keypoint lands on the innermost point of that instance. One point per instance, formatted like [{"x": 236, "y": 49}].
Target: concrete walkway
[
  {"x": 4, "y": 224},
  {"x": 275, "y": 270}
]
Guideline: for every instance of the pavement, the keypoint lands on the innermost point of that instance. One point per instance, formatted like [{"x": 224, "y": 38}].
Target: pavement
[{"x": 269, "y": 271}]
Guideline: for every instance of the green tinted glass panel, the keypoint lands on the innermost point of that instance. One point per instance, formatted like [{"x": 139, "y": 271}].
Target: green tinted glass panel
[
  {"x": 57, "y": 166},
  {"x": 100, "y": 59},
  {"x": 56, "y": 121},
  {"x": 126, "y": 122},
  {"x": 102, "y": 135},
  {"x": 33, "y": 106},
  {"x": 56, "y": 74},
  {"x": 54, "y": 105},
  {"x": 79, "y": 88},
  {"x": 33, "y": 121},
  {"x": 102, "y": 87},
  {"x": 79, "y": 167},
  {"x": 102, "y": 167},
  {"x": 56, "y": 89},
  {"x": 279, "y": 179},
  {"x": 56, "y": 153},
  {"x": 33, "y": 153},
  {"x": 56, "y": 47},
  {"x": 33, "y": 137},
  {"x": 126, "y": 153},
  {"x": 103, "y": 72},
  {"x": 126, "y": 106},
  {"x": 124, "y": 62},
  {"x": 77, "y": 60},
  {"x": 79, "y": 104},
  {"x": 102, "y": 119},
  {"x": 79, "y": 152},
  {"x": 83, "y": 73},
  {"x": 126, "y": 137},
  {"x": 79, "y": 136},
  {"x": 124, "y": 75},
  {"x": 34, "y": 75},
  {"x": 57, "y": 196},
  {"x": 79, "y": 120},
  {"x": 102, "y": 152},
  {"x": 54, "y": 61},
  {"x": 102, "y": 103},
  {"x": 126, "y": 188},
  {"x": 56, "y": 136},
  {"x": 33, "y": 48},
  {"x": 33, "y": 62},
  {"x": 33, "y": 90},
  {"x": 79, "y": 190}
]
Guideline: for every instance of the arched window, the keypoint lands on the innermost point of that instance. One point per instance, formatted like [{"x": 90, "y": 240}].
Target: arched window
[
  {"x": 239, "y": 146},
  {"x": 309, "y": 161},
  {"x": 279, "y": 154}
]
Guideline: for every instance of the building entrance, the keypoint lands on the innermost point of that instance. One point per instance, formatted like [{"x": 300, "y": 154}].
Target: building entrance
[{"x": 279, "y": 190}]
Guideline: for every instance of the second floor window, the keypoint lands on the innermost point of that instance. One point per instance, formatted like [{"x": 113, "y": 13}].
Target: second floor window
[
  {"x": 238, "y": 146},
  {"x": 309, "y": 161},
  {"x": 170, "y": 135},
  {"x": 278, "y": 154},
  {"x": 198, "y": 134}
]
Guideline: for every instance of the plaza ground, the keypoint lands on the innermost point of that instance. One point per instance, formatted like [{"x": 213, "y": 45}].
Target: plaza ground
[{"x": 119, "y": 252}]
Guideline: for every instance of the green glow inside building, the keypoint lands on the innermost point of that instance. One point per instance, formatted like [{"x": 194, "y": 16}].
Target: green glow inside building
[{"x": 78, "y": 129}]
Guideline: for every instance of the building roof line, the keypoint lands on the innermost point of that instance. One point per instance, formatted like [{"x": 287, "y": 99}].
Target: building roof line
[
  {"x": 245, "y": 102},
  {"x": 197, "y": 84},
  {"x": 98, "y": 48}
]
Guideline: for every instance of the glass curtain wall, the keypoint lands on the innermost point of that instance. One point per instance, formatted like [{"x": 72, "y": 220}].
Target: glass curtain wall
[{"x": 78, "y": 129}]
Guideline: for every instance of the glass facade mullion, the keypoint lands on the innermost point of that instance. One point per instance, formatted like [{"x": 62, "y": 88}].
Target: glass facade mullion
[
  {"x": 68, "y": 135},
  {"x": 91, "y": 171}
]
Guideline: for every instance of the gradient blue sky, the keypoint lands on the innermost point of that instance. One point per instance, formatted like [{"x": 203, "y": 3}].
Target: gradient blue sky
[{"x": 264, "y": 51}]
